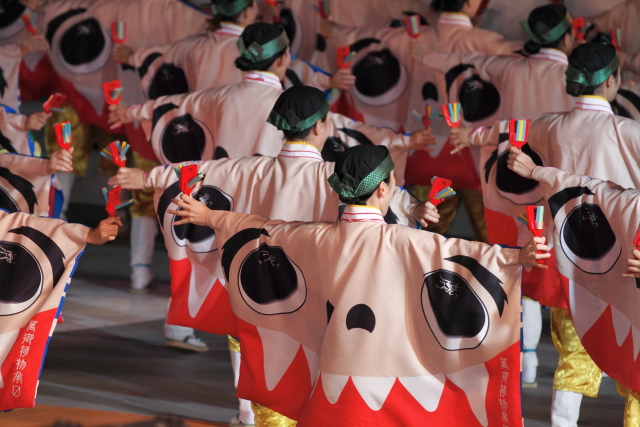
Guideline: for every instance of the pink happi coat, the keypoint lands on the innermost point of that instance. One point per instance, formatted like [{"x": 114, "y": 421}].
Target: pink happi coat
[
  {"x": 373, "y": 13},
  {"x": 364, "y": 323},
  {"x": 301, "y": 19},
  {"x": 231, "y": 121},
  {"x": 80, "y": 60},
  {"x": 588, "y": 139},
  {"x": 595, "y": 224},
  {"x": 391, "y": 84},
  {"x": 519, "y": 81},
  {"x": 292, "y": 186},
  {"x": 37, "y": 258},
  {"x": 81, "y": 42},
  {"x": 25, "y": 184},
  {"x": 504, "y": 16},
  {"x": 528, "y": 86},
  {"x": 206, "y": 61}
]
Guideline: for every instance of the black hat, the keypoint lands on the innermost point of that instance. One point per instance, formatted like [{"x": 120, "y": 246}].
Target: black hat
[
  {"x": 360, "y": 170},
  {"x": 299, "y": 108},
  {"x": 590, "y": 64},
  {"x": 262, "y": 41}
]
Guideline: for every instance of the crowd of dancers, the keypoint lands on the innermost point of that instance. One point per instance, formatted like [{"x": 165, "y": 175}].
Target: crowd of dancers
[{"x": 304, "y": 161}]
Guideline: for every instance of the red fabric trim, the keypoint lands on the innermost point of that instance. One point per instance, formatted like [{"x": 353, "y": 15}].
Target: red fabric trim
[{"x": 43, "y": 81}]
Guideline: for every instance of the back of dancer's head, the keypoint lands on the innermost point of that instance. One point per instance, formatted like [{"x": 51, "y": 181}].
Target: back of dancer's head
[
  {"x": 359, "y": 172},
  {"x": 590, "y": 65},
  {"x": 546, "y": 27},
  {"x": 228, "y": 11},
  {"x": 447, "y": 5},
  {"x": 297, "y": 111},
  {"x": 260, "y": 45}
]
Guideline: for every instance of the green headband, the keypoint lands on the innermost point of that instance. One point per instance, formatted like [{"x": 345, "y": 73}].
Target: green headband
[
  {"x": 595, "y": 78},
  {"x": 287, "y": 120},
  {"x": 230, "y": 9},
  {"x": 350, "y": 188},
  {"x": 550, "y": 35},
  {"x": 256, "y": 53}
]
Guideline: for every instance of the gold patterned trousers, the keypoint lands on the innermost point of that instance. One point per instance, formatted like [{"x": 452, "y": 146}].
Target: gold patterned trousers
[
  {"x": 448, "y": 209},
  {"x": 632, "y": 406},
  {"x": 83, "y": 136},
  {"x": 576, "y": 371},
  {"x": 266, "y": 417}
]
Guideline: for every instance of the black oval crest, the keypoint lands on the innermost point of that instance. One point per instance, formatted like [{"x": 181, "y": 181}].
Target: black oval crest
[
  {"x": 587, "y": 232},
  {"x": 83, "y": 42},
  {"x": 457, "y": 309},
  {"x": 377, "y": 73},
  {"x": 267, "y": 275},
  {"x": 183, "y": 139},
  {"x": 479, "y": 98},
  {"x": 168, "y": 80},
  {"x": 20, "y": 275}
]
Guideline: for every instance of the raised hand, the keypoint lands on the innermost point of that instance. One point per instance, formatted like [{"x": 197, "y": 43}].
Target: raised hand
[
  {"x": 421, "y": 140},
  {"x": 60, "y": 160},
  {"x": 130, "y": 178},
  {"x": 459, "y": 138},
  {"x": 36, "y": 121},
  {"x": 106, "y": 231},
  {"x": 529, "y": 255},
  {"x": 191, "y": 210},
  {"x": 118, "y": 115},
  {"x": 343, "y": 79},
  {"x": 425, "y": 212},
  {"x": 37, "y": 43},
  {"x": 520, "y": 163}
]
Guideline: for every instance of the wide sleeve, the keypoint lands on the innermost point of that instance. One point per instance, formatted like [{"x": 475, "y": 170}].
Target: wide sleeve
[
  {"x": 549, "y": 176},
  {"x": 487, "y": 135},
  {"x": 505, "y": 258},
  {"x": 224, "y": 221},
  {"x": 10, "y": 121},
  {"x": 344, "y": 35},
  {"x": 162, "y": 176},
  {"x": 358, "y": 132},
  {"x": 146, "y": 55},
  {"x": 308, "y": 75},
  {"x": 353, "y": 133},
  {"x": 145, "y": 111},
  {"x": 491, "y": 43},
  {"x": 488, "y": 67}
]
